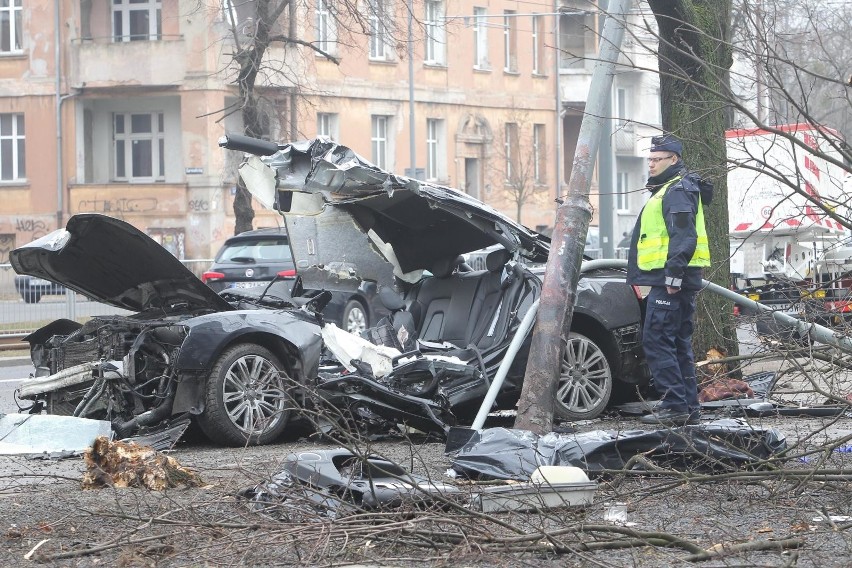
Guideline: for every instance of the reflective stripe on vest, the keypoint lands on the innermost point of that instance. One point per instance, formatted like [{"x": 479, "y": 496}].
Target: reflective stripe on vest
[{"x": 652, "y": 250}]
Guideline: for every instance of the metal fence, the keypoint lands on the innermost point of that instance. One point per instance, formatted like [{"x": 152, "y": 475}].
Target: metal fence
[{"x": 19, "y": 317}]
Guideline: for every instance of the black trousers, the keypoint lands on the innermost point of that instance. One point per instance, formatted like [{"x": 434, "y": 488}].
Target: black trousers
[{"x": 667, "y": 340}]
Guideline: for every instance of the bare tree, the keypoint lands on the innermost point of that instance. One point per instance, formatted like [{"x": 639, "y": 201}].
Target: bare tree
[
  {"x": 257, "y": 27},
  {"x": 520, "y": 164}
]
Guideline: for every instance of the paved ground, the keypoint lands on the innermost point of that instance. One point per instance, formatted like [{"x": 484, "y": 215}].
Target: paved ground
[{"x": 803, "y": 502}]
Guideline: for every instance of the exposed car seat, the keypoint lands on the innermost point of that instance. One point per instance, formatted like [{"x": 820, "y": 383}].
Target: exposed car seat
[{"x": 465, "y": 308}]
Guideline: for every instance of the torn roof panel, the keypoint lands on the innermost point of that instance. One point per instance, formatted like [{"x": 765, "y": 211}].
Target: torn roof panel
[{"x": 422, "y": 222}]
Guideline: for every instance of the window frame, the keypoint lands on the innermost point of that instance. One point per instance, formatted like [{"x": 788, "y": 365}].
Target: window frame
[
  {"x": 537, "y": 45},
  {"x": 327, "y": 124},
  {"x": 378, "y": 37},
  {"x": 435, "y": 50},
  {"x": 125, "y": 8},
  {"x": 480, "y": 39},
  {"x": 325, "y": 28},
  {"x": 16, "y": 139},
  {"x": 622, "y": 102},
  {"x": 14, "y": 15},
  {"x": 379, "y": 139},
  {"x": 622, "y": 191},
  {"x": 510, "y": 41},
  {"x": 156, "y": 136},
  {"x": 435, "y": 149},
  {"x": 511, "y": 146},
  {"x": 539, "y": 153}
]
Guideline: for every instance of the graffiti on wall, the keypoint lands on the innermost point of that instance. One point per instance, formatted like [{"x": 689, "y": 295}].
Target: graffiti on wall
[
  {"x": 197, "y": 205},
  {"x": 171, "y": 239},
  {"x": 37, "y": 227},
  {"x": 118, "y": 205}
]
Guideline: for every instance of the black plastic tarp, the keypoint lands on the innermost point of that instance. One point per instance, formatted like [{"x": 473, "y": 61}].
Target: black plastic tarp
[{"x": 721, "y": 445}]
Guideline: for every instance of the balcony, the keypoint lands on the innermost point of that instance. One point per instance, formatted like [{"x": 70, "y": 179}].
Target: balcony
[
  {"x": 132, "y": 63},
  {"x": 574, "y": 86}
]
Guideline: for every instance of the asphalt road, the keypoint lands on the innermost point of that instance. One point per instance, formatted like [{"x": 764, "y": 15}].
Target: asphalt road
[{"x": 12, "y": 375}]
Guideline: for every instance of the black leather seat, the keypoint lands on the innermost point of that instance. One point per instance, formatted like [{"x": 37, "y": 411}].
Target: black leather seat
[{"x": 463, "y": 308}]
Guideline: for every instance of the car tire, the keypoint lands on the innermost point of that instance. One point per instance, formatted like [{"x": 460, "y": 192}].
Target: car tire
[
  {"x": 247, "y": 381},
  {"x": 354, "y": 319},
  {"x": 31, "y": 296},
  {"x": 585, "y": 380}
]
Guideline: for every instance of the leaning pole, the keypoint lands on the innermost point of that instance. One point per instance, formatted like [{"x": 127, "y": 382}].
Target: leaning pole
[{"x": 559, "y": 292}]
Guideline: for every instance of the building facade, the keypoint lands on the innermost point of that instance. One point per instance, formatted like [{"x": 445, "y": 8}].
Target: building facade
[{"x": 116, "y": 106}]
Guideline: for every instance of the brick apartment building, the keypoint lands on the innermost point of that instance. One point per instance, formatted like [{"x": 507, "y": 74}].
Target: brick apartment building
[{"x": 116, "y": 106}]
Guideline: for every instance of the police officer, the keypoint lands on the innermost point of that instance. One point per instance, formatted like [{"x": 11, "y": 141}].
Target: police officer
[{"x": 668, "y": 249}]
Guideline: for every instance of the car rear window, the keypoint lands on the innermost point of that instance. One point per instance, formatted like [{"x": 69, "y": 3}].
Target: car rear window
[{"x": 261, "y": 249}]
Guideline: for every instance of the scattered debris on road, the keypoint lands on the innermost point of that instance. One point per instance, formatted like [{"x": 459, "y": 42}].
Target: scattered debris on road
[{"x": 48, "y": 436}]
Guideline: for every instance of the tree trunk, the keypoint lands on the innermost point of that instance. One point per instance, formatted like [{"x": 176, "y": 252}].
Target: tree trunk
[
  {"x": 694, "y": 59},
  {"x": 250, "y": 58}
]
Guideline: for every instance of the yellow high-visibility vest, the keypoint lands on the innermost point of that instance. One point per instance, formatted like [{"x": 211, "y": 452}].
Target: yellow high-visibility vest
[{"x": 652, "y": 250}]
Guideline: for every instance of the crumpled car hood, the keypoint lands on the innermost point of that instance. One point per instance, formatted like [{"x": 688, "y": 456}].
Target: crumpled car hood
[
  {"x": 366, "y": 218},
  {"x": 113, "y": 262}
]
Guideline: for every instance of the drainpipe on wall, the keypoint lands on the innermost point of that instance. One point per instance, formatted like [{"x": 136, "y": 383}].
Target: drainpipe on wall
[
  {"x": 557, "y": 57},
  {"x": 57, "y": 37}
]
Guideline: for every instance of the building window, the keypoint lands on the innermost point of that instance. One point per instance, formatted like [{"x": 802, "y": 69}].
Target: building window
[
  {"x": 436, "y": 33},
  {"x": 379, "y": 32},
  {"x": 12, "y": 149},
  {"x": 480, "y": 39},
  {"x": 537, "y": 45},
  {"x": 572, "y": 41},
  {"x": 620, "y": 108},
  {"x": 435, "y": 150},
  {"x": 379, "y": 140},
  {"x": 326, "y": 31},
  {"x": 327, "y": 124},
  {"x": 10, "y": 26},
  {"x": 510, "y": 41},
  {"x": 622, "y": 192},
  {"x": 139, "y": 146},
  {"x": 539, "y": 154},
  {"x": 511, "y": 147},
  {"x": 136, "y": 20}
]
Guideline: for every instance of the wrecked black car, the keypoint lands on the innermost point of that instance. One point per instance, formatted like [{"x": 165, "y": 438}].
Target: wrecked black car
[
  {"x": 186, "y": 350},
  {"x": 349, "y": 222},
  {"x": 240, "y": 362}
]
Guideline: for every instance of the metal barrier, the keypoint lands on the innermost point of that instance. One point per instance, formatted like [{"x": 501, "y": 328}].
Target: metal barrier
[{"x": 18, "y": 317}]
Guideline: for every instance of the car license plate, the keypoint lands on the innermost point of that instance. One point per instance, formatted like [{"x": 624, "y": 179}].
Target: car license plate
[{"x": 253, "y": 284}]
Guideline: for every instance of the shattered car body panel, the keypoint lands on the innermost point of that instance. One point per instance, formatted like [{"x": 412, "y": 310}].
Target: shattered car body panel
[
  {"x": 401, "y": 212},
  {"x": 722, "y": 445},
  {"x": 91, "y": 254},
  {"x": 338, "y": 482},
  {"x": 187, "y": 350}
]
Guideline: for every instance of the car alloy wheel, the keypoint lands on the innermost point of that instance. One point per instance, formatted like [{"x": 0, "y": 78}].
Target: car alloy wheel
[
  {"x": 354, "y": 317},
  {"x": 585, "y": 379},
  {"x": 247, "y": 397}
]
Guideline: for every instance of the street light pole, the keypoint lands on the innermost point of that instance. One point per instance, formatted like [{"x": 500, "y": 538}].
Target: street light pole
[
  {"x": 559, "y": 291},
  {"x": 412, "y": 149}
]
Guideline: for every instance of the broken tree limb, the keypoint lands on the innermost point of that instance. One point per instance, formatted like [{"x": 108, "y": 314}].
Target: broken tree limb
[{"x": 720, "y": 551}]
